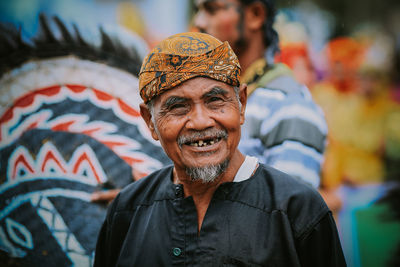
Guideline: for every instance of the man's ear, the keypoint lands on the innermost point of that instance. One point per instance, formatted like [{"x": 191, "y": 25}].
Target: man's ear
[
  {"x": 146, "y": 115},
  {"x": 243, "y": 101},
  {"x": 255, "y": 15}
]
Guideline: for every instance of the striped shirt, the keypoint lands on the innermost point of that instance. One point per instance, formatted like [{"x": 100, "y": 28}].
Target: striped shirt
[{"x": 284, "y": 128}]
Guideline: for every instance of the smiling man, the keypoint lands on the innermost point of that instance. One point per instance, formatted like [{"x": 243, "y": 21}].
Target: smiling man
[{"x": 214, "y": 206}]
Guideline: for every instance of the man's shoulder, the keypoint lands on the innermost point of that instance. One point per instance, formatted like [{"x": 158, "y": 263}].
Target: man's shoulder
[
  {"x": 286, "y": 99},
  {"x": 279, "y": 77},
  {"x": 279, "y": 86},
  {"x": 299, "y": 201},
  {"x": 145, "y": 190},
  {"x": 284, "y": 187}
]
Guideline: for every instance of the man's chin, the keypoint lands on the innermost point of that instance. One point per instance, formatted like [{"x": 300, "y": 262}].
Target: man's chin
[{"x": 207, "y": 173}]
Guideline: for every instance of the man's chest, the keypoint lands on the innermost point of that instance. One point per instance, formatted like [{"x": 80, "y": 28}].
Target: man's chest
[{"x": 232, "y": 234}]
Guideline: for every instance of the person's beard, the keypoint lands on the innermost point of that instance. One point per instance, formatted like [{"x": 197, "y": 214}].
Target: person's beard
[
  {"x": 241, "y": 43},
  {"x": 207, "y": 174}
]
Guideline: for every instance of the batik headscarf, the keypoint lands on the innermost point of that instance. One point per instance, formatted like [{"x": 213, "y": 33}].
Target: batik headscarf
[{"x": 184, "y": 56}]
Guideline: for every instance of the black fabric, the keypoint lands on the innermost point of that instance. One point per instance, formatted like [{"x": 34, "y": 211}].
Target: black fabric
[{"x": 268, "y": 220}]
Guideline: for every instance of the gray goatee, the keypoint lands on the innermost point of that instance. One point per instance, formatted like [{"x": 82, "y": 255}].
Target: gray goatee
[{"x": 207, "y": 174}]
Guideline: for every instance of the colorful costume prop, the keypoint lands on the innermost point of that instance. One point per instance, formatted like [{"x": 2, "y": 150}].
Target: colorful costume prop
[{"x": 69, "y": 125}]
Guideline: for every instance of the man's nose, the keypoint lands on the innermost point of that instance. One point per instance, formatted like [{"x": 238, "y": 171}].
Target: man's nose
[{"x": 200, "y": 118}]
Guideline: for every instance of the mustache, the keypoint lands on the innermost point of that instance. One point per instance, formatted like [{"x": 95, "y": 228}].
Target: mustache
[{"x": 205, "y": 134}]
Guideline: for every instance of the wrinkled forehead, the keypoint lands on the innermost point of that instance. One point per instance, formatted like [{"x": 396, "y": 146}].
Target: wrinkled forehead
[{"x": 198, "y": 87}]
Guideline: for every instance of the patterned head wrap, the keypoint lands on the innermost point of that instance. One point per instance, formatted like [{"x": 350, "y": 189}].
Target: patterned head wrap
[{"x": 184, "y": 56}]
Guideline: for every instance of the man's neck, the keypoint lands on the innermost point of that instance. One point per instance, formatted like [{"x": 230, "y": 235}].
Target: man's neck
[{"x": 202, "y": 193}]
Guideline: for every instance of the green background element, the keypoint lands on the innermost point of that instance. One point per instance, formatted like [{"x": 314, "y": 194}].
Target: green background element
[{"x": 378, "y": 235}]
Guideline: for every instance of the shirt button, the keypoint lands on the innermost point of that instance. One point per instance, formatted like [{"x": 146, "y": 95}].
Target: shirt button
[
  {"x": 176, "y": 251},
  {"x": 178, "y": 191}
]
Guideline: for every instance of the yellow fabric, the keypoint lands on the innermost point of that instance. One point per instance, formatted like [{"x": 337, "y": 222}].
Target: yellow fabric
[
  {"x": 184, "y": 56},
  {"x": 392, "y": 138},
  {"x": 357, "y": 130},
  {"x": 259, "y": 74}
]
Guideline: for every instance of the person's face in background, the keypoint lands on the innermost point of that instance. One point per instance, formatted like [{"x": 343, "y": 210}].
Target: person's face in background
[{"x": 222, "y": 19}]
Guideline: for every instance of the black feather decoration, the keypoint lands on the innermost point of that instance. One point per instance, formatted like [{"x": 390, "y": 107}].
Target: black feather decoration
[{"x": 54, "y": 39}]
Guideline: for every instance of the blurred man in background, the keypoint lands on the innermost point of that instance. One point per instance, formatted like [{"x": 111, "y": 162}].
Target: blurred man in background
[{"x": 284, "y": 128}]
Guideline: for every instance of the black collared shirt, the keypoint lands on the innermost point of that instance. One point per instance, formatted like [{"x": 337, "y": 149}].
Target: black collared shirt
[{"x": 270, "y": 219}]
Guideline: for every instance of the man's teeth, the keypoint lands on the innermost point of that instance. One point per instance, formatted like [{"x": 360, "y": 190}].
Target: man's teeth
[{"x": 201, "y": 143}]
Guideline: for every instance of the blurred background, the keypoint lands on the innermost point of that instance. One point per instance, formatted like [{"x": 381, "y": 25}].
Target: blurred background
[{"x": 346, "y": 52}]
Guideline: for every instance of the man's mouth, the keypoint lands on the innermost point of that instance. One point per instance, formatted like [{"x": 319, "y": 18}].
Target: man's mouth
[
  {"x": 203, "y": 143},
  {"x": 203, "y": 138}
]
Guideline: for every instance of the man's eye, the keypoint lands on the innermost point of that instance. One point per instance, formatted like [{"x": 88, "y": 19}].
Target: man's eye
[
  {"x": 214, "y": 99},
  {"x": 211, "y": 8},
  {"x": 178, "y": 109},
  {"x": 176, "y": 106}
]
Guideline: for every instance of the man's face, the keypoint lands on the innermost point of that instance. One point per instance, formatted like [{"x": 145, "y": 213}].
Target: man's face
[
  {"x": 222, "y": 19},
  {"x": 198, "y": 122}
]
